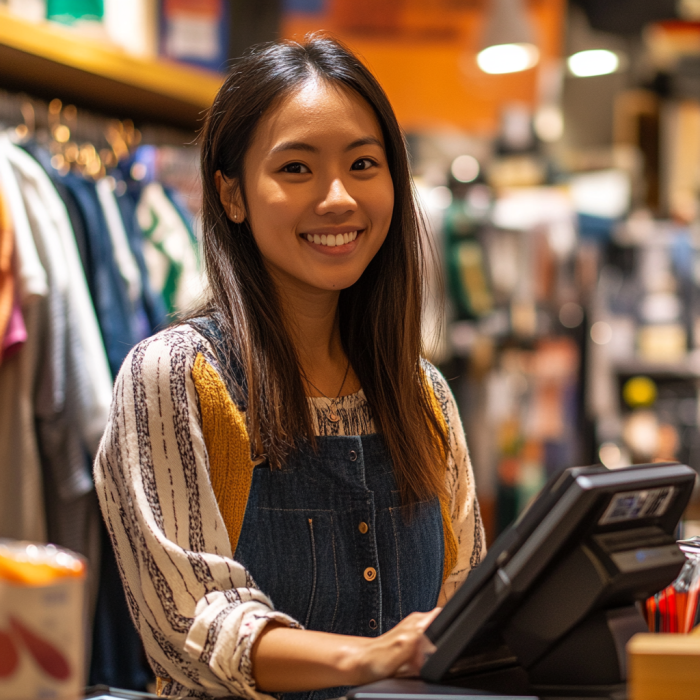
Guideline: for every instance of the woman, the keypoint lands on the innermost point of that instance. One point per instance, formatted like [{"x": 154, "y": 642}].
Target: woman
[{"x": 285, "y": 458}]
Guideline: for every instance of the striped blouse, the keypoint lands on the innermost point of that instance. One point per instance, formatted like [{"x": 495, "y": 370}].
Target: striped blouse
[{"x": 198, "y": 611}]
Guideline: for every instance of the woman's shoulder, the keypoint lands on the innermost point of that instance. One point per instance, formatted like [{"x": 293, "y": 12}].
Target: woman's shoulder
[
  {"x": 440, "y": 390},
  {"x": 172, "y": 351}
]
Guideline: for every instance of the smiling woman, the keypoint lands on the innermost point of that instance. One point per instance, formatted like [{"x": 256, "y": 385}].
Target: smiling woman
[{"x": 287, "y": 443}]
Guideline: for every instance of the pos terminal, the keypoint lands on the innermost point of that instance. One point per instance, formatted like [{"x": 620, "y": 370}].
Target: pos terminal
[{"x": 550, "y": 609}]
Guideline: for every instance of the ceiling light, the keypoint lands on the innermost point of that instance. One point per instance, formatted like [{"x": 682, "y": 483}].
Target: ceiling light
[
  {"x": 465, "y": 168},
  {"x": 508, "y": 41},
  {"x": 585, "y": 64},
  {"x": 508, "y": 58}
]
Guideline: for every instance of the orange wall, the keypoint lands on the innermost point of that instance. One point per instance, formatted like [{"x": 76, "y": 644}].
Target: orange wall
[{"x": 424, "y": 54}]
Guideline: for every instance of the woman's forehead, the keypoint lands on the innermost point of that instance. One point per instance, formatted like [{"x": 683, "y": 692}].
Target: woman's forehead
[{"x": 318, "y": 110}]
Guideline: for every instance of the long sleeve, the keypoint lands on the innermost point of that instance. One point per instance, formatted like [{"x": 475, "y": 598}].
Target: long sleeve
[
  {"x": 198, "y": 611},
  {"x": 464, "y": 506}
]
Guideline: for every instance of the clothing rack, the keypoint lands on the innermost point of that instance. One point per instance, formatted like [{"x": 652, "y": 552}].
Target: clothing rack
[{"x": 34, "y": 116}]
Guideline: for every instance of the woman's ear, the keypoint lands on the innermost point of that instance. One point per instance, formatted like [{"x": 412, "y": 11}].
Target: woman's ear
[{"x": 230, "y": 197}]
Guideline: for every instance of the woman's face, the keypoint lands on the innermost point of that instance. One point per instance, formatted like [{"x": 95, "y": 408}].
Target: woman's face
[{"x": 319, "y": 193}]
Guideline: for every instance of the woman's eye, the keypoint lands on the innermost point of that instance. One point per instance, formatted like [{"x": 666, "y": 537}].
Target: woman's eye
[
  {"x": 363, "y": 164},
  {"x": 296, "y": 168}
]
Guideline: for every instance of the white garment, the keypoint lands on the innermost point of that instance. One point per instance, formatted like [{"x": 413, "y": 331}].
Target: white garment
[
  {"x": 99, "y": 385},
  {"x": 31, "y": 276},
  {"x": 120, "y": 243}
]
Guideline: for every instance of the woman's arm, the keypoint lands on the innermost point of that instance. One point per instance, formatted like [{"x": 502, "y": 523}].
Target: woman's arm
[
  {"x": 288, "y": 660},
  {"x": 464, "y": 507},
  {"x": 197, "y": 610}
]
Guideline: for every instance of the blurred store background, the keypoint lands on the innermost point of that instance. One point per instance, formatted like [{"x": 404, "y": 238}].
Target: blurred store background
[{"x": 556, "y": 150}]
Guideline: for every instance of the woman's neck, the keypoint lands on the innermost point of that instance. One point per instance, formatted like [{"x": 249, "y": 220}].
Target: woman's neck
[{"x": 312, "y": 321}]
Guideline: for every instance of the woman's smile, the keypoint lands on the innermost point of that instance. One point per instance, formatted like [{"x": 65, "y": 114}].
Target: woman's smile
[{"x": 330, "y": 241}]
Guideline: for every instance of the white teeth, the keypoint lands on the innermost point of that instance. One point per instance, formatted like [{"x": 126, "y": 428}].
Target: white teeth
[{"x": 331, "y": 240}]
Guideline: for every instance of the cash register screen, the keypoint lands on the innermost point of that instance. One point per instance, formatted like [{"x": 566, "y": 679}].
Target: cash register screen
[{"x": 594, "y": 540}]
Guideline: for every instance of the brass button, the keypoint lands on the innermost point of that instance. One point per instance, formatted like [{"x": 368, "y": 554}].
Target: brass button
[
  {"x": 353, "y": 455},
  {"x": 363, "y": 527},
  {"x": 370, "y": 573},
  {"x": 373, "y": 624}
]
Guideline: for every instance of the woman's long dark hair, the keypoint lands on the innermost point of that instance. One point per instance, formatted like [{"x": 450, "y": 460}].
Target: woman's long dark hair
[{"x": 379, "y": 316}]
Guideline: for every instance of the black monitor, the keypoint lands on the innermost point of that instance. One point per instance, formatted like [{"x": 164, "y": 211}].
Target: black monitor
[{"x": 550, "y": 609}]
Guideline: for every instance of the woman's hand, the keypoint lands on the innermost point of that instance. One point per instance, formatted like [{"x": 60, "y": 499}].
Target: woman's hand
[
  {"x": 399, "y": 652},
  {"x": 289, "y": 660}
]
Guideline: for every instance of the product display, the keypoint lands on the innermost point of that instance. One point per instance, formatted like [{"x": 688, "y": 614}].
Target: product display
[{"x": 85, "y": 284}]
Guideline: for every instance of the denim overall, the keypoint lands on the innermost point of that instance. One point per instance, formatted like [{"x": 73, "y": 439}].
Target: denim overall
[{"x": 327, "y": 539}]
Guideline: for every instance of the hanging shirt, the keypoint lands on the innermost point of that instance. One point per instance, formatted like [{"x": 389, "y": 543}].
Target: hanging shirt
[
  {"x": 21, "y": 487},
  {"x": 169, "y": 249},
  {"x": 83, "y": 322},
  {"x": 152, "y": 301}
]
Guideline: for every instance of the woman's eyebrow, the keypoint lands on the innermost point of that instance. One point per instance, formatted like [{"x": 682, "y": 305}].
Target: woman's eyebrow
[
  {"x": 293, "y": 146},
  {"x": 366, "y": 141},
  {"x": 302, "y": 146}
]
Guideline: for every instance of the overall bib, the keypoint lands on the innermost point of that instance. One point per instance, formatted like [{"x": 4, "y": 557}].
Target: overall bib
[{"x": 327, "y": 539}]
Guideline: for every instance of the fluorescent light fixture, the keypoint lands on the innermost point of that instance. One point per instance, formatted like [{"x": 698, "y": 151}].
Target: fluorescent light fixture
[
  {"x": 508, "y": 58},
  {"x": 465, "y": 168},
  {"x": 585, "y": 64}
]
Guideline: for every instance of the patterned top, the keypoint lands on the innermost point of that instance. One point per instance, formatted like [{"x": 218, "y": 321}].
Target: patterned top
[{"x": 198, "y": 611}]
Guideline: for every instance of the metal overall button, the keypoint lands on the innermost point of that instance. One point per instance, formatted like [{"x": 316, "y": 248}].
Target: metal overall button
[
  {"x": 370, "y": 573},
  {"x": 363, "y": 527}
]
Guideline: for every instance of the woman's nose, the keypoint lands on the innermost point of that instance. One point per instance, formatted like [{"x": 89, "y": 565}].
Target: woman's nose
[{"x": 337, "y": 199}]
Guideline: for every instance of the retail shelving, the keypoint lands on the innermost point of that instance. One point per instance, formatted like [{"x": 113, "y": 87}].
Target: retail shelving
[
  {"x": 687, "y": 368},
  {"x": 49, "y": 60}
]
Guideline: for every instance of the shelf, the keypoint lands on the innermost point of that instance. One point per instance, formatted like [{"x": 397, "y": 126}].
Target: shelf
[
  {"x": 688, "y": 368},
  {"x": 48, "y": 60}
]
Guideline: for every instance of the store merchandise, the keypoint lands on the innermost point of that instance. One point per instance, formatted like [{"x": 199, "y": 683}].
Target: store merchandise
[
  {"x": 675, "y": 609},
  {"x": 83, "y": 287},
  {"x": 195, "y": 31},
  {"x": 511, "y": 258}
]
